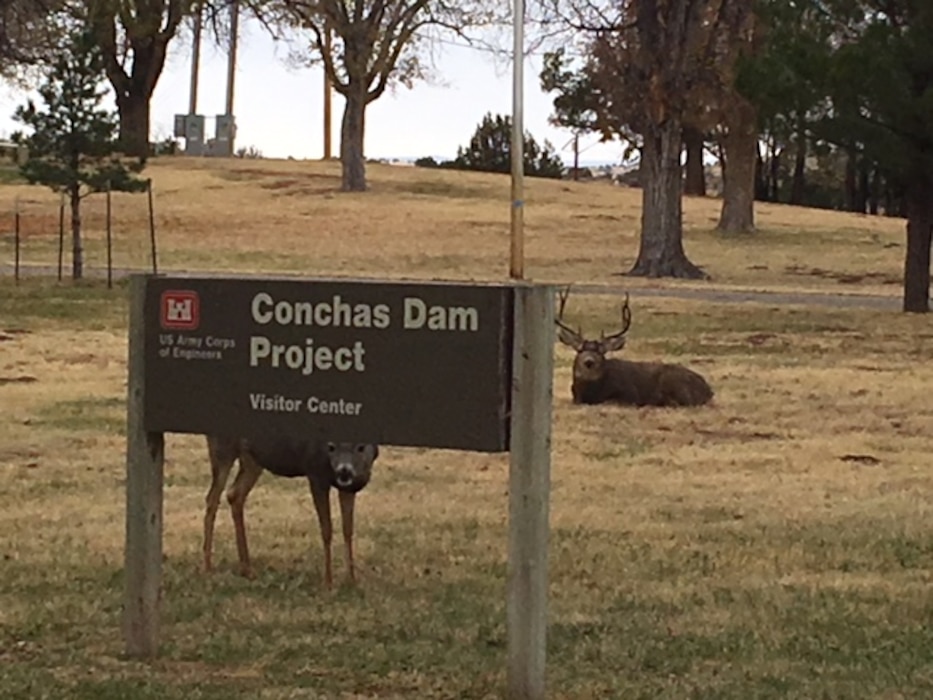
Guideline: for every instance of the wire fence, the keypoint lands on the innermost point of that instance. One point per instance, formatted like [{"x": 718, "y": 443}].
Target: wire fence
[{"x": 117, "y": 231}]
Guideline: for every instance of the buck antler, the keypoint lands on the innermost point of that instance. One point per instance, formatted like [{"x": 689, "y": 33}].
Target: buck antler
[
  {"x": 626, "y": 322},
  {"x": 567, "y": 335}
]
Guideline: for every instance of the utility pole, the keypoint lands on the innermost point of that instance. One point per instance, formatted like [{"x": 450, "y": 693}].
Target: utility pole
[
  {"x": 517, "y": 238},
  {"x": 195, "y": 61},
  {"x": 328, "y": 90},
  {"x": 231, "y": 69}
]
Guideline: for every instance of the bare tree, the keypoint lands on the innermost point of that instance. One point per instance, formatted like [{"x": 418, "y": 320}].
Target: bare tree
[
  {"x": 375, "y": 43},
  {"x": 658, "y": 65},
  {"x": 739, "y": 123},
  {"x": 134, "y": 38}
]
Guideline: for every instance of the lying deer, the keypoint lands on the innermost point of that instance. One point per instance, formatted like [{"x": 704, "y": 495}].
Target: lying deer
[
  {"x": 344, "y": 466},
  {"x": 599, "y": 379}
]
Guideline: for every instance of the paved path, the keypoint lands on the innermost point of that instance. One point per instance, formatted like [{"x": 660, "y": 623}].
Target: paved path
[{"x": 870, "y": 301}]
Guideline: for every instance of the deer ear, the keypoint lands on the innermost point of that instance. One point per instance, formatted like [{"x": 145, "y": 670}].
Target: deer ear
[
  {"x": 613, "y": 343},
  {"x": 570, "y": 338}
]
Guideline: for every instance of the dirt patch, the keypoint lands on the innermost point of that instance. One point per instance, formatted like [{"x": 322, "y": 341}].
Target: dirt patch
[
  {"x": 604, "y": 217},
  {"x": 19, "y": 455},
  {"x": 843, "y": 277},
  {"x": 11, "y": 335},
  {"x": 23, "y": 379},
  {"x": 869, "y": 460},
  {"x": 760, "y": 338},
  {"x": 280, "y": 184}
]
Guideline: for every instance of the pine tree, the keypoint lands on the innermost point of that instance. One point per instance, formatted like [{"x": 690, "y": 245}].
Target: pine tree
[
  {"x": 882, "y": 91},
  {"x": 72, "y": 147},
  {"x": 491, "y": 147}
]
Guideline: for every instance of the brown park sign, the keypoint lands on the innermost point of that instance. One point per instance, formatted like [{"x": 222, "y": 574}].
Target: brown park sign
[{"x": 411, "y": 364}]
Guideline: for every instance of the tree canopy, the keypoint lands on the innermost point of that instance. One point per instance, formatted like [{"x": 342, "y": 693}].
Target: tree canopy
[
  {"x": 490, "y": 150},
  {"x": 31, "y": 32},
  {"x": 882, "y": 91}
]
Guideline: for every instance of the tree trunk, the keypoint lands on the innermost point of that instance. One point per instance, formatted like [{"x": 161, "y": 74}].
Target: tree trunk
[
  {"x": 695, "y": 183},
  {"x": 874, "y": 191},
  {"x": 862, "y": 192},
  {"x": 134, "y": 89},
  {"x": 761, "y": 186},
  {"x": 77, "y": 248},
  {"x": 134, "y": 124},
  {"x": 919, "y": 235},
  {"x": 775, "y": 174},
  {"x": 721, "y": 157},
  {"x": 851, "y": 181},
  {"x": 738, "y": 194},
  {"x": 661, "y": 251},
  {"x": 800, "y": 163},
  {"x": 352, "y": 132}
]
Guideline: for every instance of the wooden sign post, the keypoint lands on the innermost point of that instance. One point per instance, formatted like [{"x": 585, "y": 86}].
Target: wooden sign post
[
  {"x": 145, "y": 457},
  {"x": 529, "y": 491}
]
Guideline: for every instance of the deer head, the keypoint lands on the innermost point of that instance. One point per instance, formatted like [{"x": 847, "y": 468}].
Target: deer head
[
  {"x": 351, "y": 464},
  {"x": 589, "y": 364}
]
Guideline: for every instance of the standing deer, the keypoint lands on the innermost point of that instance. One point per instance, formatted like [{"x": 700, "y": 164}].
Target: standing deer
[
  {"x": 342, "y": 465},
  {"x": 600, "y": 379}
]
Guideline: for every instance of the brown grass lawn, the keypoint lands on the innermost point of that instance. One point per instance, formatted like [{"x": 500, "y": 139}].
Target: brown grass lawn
[
  {"x": 267, "y": 215},
  {"x": 778, "y": 544}
]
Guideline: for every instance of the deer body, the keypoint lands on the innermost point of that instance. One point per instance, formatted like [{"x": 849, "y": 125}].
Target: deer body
[
  {"x": 600, "y": 379},
  {"x": 643, "y": 384},
  {"x": 344, "y": 466}
]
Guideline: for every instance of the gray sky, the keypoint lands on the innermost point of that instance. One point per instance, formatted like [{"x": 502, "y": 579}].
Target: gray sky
[{"x": 278, "y": 108}]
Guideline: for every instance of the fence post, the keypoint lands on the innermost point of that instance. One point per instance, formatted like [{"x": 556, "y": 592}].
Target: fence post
[
  {"x": 16, "y": 240},
  {"x": 152, "y": 231},
  {"x": 61, "y": 235},
  {"x": 109, "y": 241}
]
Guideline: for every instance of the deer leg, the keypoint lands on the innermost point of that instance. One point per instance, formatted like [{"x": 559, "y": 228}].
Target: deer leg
[
  {"x": 246, "y": 478},
  {"x": 346, "y": 520},
  {"x": 577, "y": 392},
  {"x": 320, "y": 494},
  {"x": 221, "y": 462}
]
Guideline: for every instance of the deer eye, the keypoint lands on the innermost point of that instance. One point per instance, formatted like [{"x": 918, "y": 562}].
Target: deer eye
[
  {"x": 331, "y": 447},
  {"x": 361, "y": 448}
]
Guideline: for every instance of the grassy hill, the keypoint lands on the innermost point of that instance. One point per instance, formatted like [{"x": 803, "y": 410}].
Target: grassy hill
[{"x": 289, "y": 216}]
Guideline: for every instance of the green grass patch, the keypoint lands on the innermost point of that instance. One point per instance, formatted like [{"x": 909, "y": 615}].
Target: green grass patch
[
  {"x": 45, "y": 303},
  {"x": 105, "y": 415},
  {"x": 618, "y": 627}
]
